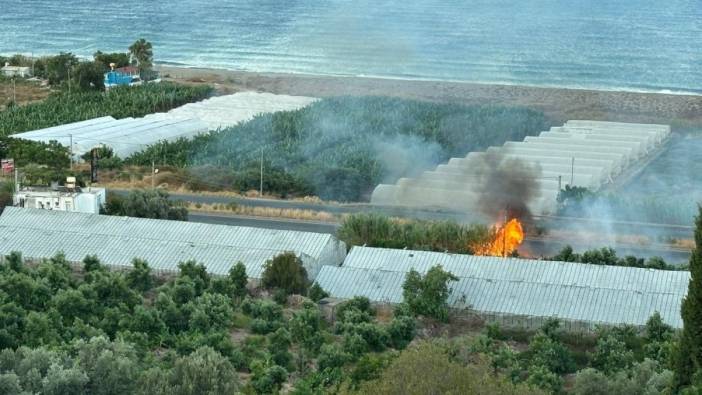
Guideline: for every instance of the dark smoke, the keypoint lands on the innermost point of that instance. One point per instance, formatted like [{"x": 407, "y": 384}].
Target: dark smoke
[{"x": 508, "y": 186}]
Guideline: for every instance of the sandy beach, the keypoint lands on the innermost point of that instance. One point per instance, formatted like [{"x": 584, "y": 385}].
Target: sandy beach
[{"x": 681, "y": 111}]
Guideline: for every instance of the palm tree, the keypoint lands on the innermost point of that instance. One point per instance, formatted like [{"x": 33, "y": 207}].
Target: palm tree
[{"x": 142, "y": 54}]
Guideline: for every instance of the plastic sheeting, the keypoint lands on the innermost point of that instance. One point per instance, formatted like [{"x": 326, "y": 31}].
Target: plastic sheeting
[
  {"x": 580, "y": 153},
  {"x": 518, "y": 287},
  {"x": 117, "y": 240}
]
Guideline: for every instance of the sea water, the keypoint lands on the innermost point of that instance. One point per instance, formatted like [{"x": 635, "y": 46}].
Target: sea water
[{"x": 649, "y": 45}]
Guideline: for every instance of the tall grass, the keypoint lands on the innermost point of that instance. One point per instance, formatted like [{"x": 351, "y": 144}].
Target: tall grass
[{"x": 375, "y": 230}]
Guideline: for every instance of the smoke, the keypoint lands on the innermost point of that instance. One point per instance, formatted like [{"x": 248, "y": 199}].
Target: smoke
[
  {"x": 506, "y": 186},
  {"x": 405, "y": 156}
]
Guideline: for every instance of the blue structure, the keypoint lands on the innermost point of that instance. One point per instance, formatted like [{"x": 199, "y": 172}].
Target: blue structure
[{"x": 116, "y": 78}]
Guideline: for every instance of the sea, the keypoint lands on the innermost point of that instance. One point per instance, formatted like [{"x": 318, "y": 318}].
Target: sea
[{"x": 634, "y": 45}]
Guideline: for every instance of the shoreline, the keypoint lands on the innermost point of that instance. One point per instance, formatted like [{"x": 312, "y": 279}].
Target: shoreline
[{"x": 560, "y": 104}]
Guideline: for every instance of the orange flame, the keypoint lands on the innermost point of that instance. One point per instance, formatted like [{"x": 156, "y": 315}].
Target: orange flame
[{"x": 506, "y": 240}]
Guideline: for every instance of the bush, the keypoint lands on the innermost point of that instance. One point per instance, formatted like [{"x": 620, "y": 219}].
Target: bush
[
  {"x": 331, "y": 356},
  {"x": 549, "y": 353},
  {"x": 428, "y": 294},
  {"x": 285, "y": 272},
  {"x": 611, "y": 355},
  {"x": 401, "y": 331},
  {"x": 357, "y": 309},
  {"x": 427, "y": 369},
  {"x": 316, "y": 293}
]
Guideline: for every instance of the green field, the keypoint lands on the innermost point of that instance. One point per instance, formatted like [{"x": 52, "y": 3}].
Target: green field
[{"x": 341, "y": 148}]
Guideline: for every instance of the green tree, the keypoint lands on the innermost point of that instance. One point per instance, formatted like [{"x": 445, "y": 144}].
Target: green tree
[
  {"x": 142, "y": 54},
  {"x": 140, "y": 277},
  {"x": 204, "y": 371},
  {"x": 110, "y": 366},
  {"x": 64, "y": 381},
  {"x": 104, "y": 59},
  {"x": 87, "y": 75},
  {"x": 427, "y": 369},
  {"x": 689, "y": 360},
  {"x": 428, "y": 294},
  {"x": 305, "y": 330},
  {"x": 146, "y": 204},
  {"x": 285, "y": 272},
  {"x": 59, "y": 67},
  {"x": 238, "y": 279}
]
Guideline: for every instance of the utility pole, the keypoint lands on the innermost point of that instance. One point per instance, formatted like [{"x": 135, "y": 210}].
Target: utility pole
[
  {"x": 70, "y": 137},
  {"x": 153, "y": 175},
  {"x": 572, "y": 171},
  {"x": 14, "y": 91},
  {"x": 559, "y": 182},
  {"x": 260, "y": 192},
  {"x": 504, "y": 236}
]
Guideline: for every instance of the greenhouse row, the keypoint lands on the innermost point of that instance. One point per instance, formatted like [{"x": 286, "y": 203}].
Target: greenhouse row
[
  {"x": 125, "y": 136},
  {"x": 117, "y": 241},
  {"x": 229, "y": 110},
  {"x": 129, "y": 135},
  {"x": 508, "y": 288},
  {"x": 580, "y": 153}
]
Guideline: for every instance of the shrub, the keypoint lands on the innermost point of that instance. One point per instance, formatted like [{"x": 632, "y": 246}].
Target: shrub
[
  {"x": 286, "y": 272},
  {"x": 611, "y": 355},
  {"x": 401, "y": 331},
  {"x": 316, "y": 293},
  {"x": 331, "y": 356},
  {"x": 549, "y": 353},
  {"x": 428, "y": 294},
  {"x": 357, "y": 309}
]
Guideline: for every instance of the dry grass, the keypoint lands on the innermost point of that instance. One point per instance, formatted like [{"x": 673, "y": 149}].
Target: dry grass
[
  {"x": 27, "y": 92},
  {"x": 269, "y": 212},
  {"x": 172, "y": 181}
]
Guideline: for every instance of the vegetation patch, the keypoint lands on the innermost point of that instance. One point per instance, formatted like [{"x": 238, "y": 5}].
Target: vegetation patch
[{"x": 341, "y": 148}]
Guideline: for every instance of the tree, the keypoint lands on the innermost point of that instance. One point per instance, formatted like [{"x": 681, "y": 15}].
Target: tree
[
  {"x": 689, "y": 361},
  {"x": 427, "y": 369},
  {"x": 87, "y": 75},
  {"x": 238, "y": 279},
  {"x": 59, "y": 67},
  {"x": 428, "y": 294},
  {"x": 204, "y": 371},
  {"x": 105, "y": 59},
  {"x": 611, "y": 355},
  {"x": 140, "y": 277},
  {"x": 142, "y": 54},
  {"x": 286, "y": 272}
]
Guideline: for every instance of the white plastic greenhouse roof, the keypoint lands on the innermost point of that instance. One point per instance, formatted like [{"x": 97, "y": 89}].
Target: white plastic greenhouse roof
[
  {"x": 518, "y": 287},
  {"x": 124, "y": 136},
  {"x": 229, "y": 110},
  {"x": 584, "y": 153},
  {"x": 117, "y": 240}
]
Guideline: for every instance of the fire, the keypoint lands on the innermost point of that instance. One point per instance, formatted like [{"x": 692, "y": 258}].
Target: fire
[{"x": 506, "y": 240}]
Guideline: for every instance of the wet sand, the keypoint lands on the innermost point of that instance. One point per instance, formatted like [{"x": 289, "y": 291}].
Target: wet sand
[{"x": 681, "y": 111}]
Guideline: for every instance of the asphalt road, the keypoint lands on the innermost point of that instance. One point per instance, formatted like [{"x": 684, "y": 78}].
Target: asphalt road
[{"x": 532, "y": 246}]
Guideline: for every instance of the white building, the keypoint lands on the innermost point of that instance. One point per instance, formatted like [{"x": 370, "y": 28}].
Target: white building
[
  {"x": 16, "y": 71},
  {"x": 82, "y": 200}
]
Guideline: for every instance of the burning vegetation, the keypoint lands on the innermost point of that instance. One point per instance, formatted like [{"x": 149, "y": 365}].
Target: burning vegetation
[{"x": 505, "y": 240}]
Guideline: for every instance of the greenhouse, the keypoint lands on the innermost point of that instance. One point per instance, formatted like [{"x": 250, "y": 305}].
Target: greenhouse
[
  {"x": 581, "y": 153},
  {"x": 163, "y": 244},
  {"x": 229, "y": 110},
  {"x": 125, "y": 136},
  {"x": 518, "y": 290}
]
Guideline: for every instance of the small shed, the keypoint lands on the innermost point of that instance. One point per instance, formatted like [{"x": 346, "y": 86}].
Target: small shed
[{"x": 16, "y": 71}]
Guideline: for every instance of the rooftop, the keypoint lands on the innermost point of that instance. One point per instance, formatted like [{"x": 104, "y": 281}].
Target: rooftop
[
  {"x": 575, "y": 292},
  {"x": 164, "y": 244}
]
